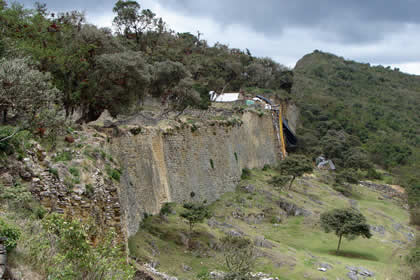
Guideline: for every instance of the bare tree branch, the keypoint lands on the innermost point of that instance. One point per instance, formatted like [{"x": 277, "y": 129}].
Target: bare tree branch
[{"x": 10, "y": 136}]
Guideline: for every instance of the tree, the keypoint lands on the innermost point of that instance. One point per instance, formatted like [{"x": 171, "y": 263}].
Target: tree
[
  {"x": 130, "y": 19},
  {"x": 295, "y": 166},
  {"x": 195, "y": 213},
  {"x": 346, "y": 222},
  {"x": 24, "y": 91},
  {"x": 239, "y": 253},
  {"x": 117, "y": 81}
]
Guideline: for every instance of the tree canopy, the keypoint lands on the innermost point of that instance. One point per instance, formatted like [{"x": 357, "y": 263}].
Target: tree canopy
[
  {"x": 295, "y": 165},
  {"x": 347, "y": 222},
  {"x": 195, "y": 213}
]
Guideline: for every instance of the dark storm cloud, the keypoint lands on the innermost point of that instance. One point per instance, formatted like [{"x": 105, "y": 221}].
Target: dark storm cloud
[{"x": 348, "y": 20}]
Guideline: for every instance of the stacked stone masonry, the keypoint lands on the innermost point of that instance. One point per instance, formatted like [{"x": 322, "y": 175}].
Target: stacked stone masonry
[{"x": 189, "y": 164}]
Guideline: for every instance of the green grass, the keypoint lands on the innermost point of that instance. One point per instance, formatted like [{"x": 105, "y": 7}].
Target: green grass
[
  {"x": 63, "y": 156},
  {"x": 300, "y": 244}
]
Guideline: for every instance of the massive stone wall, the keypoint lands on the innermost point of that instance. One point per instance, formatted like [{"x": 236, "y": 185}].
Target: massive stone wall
[{"x": 189, "y": 163}]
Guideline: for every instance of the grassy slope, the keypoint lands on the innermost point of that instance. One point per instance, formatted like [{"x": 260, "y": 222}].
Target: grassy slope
[{"x": 300, "y": 243}]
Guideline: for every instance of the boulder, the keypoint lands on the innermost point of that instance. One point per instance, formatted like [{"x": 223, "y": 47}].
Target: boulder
[
  {"x": 379, "y": 229},
  {"x": 260, "y": 241},
  {"x": 248, "y": 189},
  {"x": 292, "y": 209}
]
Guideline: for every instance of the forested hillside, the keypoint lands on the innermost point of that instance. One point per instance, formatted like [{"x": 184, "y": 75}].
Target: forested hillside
[{"x": 360, "y": 115}]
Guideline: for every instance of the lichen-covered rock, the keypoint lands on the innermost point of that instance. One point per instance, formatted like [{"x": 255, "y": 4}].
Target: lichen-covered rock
[{"x": 292, "y": 209}]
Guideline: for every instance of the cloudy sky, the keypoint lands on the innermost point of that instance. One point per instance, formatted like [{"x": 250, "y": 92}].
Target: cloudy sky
[{"x": 383, "y": 32}]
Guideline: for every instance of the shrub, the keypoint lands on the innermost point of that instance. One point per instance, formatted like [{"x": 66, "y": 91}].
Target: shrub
[
  {"x": 211, "y": 163},
  {"x": 239, "y": 254},
  {"x": 12, "y": 233},
  {"x": 16, "y": 196},
  {"x": 166, "y": 209},
  {"x": 373, "y": 174},
  {"x": 19, "y": 143},
  {"x": 74, "y": 171},
  {"x": 246, "y": 174},
  {"x": 89, "y": 190},
  {"x": 39, "y": 212},
  {"x": 194, "y": 127},
  {"x": 266, "y": 167},
  {"x": 347, "y": 176},
  {"x": 54, "y": 172},
  {"x": 63, "y": 250},
  {"x": 113, "y": 173},
  {"x": 63, "y": 156},
  {"x": 414, "y": 257},
  {"x": 345, "y": 190},
  {"x": 203, "y": 274},
  {"x": 415, "y": 216}
]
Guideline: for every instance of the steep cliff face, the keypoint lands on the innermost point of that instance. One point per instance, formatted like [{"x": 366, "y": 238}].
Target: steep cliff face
[{"x": 189, "y": 163}]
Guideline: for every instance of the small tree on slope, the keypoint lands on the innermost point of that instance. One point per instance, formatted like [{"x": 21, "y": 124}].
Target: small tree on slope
[
  {"x": 195, "y": 213},
  {"x": 346, "y": 222},
  {"x": 295, "y": 166}
]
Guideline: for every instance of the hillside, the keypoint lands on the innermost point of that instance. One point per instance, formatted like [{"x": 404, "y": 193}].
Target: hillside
[
  {"x": 380, "y": 106},
  {"x": 285, "y": 228}
]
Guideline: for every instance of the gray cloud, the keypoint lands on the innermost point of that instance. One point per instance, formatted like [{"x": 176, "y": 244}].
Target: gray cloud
[
  {"x": 357, "y": 21},
  {"x": 349, "y": 21}
]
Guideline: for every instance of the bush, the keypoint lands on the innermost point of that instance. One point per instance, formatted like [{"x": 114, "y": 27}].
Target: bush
[
  {"x": 113, "y": 173},
  {"x": 166, "y": 209},
  {"x": 239, "y": 253},
  {"x": 347, "y": 176},
  {"x": 63, "y": 156},
  {"x": 54, "y": 172},
  {"x": 246, "y": 174},
  {"x": 17, "y": 196},
  {"x": 266, "y": 167},
  {"x": 74, "y": 171},
  {"x": 373, "y": 174},
  {"x": 211, "y": 163},
  {"x": 19, "y": 143},
  {"x": 12, "y": 233},
  {"x": 89, "y": 190},
  {"x": 39, "y": 212},
  {"x": 345, "y": 190},
  {"x": 415, "y": 216},
  {"x": 64, "y": 251},
  {"x": 413, "y": 258}
]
